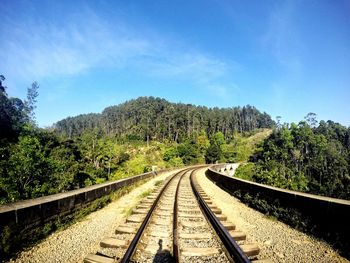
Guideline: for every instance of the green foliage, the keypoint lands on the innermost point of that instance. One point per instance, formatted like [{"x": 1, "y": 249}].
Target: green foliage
[
  {"x": 12, "y": 115},
  {"x": 202, "y": 142},
  {"x": 273, "y": 209},
  {"x": 141, "y": 134},
  {"x": 170, "y": 153},
  {"x": 157, "y": 119},
  {"x": 6, "y": 237},
  {"x": 245, "y": 171},
  {"x": 94, "y": 148},
  {"x": 182, "y": 154},
  {"x": 175, "y": 162},
  {"x": 145, "y": 194},
  {"x": 218, "y": 139},
  {"x": 188, "y": 152},
  {"x": 213, "y": 153},
  {"x": 29, "y": 169},
  {"x": 38, "y": 164},
  {"x": 123, "y": 157},
  {"x": 306, "y": 158},
  {"x": 158, "y": 182},
  {"x": 29, "y": 104},
  {"x": 242, "y": 146}
]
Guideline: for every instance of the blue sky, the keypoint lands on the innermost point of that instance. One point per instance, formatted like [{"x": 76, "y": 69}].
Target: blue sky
[{"x": 287, "y": 58}]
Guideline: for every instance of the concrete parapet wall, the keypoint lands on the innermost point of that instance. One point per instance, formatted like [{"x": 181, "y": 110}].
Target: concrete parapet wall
[
  {"x": 41, "y": 210},
  {"x": 327, "y": 216}
]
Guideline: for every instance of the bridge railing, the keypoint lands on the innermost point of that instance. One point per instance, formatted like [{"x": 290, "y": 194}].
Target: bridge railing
[
  {"x": 40, "y": 210},
  {"x": 325, "y": 217},
  {"x": 23, "y": 222}
]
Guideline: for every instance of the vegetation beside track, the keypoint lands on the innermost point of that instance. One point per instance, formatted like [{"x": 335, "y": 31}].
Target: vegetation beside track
[
  {"x": 94, "y": 148},
  {"x": 308, "y": 157}
]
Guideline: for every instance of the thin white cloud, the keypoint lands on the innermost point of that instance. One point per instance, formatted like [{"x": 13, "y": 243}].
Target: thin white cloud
[
  {"x": 46, "y": 50},
  {"x": 221, "y": 91},
  {"x": 196, "y": 66},
  {"x": 281, "y": 37},
  {"x": 37, "y": 49}
]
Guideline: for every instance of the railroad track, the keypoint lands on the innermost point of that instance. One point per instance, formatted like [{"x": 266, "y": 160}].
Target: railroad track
[{"x": 177, "y": 222}]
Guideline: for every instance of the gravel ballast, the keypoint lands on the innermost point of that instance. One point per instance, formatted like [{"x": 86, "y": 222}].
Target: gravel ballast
[
  {"x": 278, "y": 241},
  {"x": 83, "y": 237}
]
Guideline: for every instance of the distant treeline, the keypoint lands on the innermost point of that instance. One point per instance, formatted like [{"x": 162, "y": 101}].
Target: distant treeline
[
  {"x": 149, "y": 118},
  {"x": 309, "y": 156},
  {"x": 94, "y": 148}
]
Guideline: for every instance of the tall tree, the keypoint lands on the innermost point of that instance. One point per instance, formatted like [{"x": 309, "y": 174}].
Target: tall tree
[
  {"x": 307, "y": 158},
  {"x": 157, "y": 119},
  {"x": 30, "y": 103},
  {"x": 311, "y": 119},
  {"x": 12, "y": 114}
]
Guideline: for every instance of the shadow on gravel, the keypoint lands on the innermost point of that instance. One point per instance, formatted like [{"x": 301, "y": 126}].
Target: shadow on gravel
[{"x": 163, "y": 255}]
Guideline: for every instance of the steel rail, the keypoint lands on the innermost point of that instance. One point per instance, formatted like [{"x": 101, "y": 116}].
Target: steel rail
[
  {"x": 129, "y": 252},
  {"x": 230, "y": 244},
  {"x": 175, "y": 222}
]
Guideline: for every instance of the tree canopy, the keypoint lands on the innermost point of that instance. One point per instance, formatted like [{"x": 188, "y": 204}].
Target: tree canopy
[
  {"x": 132, "y": 137},
  {"x": 158, "y": 119},
  {"x": 306, "y": 157}
]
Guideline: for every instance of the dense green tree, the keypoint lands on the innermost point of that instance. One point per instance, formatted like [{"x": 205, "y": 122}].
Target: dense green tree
[
  {"x": 12, "y": 115},
  {"x": 213, "y": 153},
  {"x": 306, "y": 157},
  {"x": 202, "y": 142},
  {"x": 188, "y": 152},
  {"x": 2, "y": 88},
  {"x": 30, "y": 103},
  {"x": 218, "y": 139},
  {"x": 121, "y": 141},
  {"x": 216, "y": 148},
  {"x": 29, "y": 169},
  {"x": 157, "y": 119}
]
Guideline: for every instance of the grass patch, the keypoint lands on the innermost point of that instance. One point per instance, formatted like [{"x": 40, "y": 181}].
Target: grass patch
[
  {"x": 158, "y": 182},
  {"x": 128, "y": 211},
  {"x": 145, "y": 193},
  {"x": 244, "y": 145},
  {"x": 270, "y": 217}
]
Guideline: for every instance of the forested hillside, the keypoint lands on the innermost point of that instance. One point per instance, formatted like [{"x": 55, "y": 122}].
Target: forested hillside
[
  {"x": 147, "y": 132},
  {"x": 308, "y": 157},
  {"x": 148, "y": 118},
  {"x": 124, "y": 140}
]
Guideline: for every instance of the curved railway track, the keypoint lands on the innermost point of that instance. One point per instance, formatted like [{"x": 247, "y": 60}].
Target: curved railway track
[{"x": 177, "y": 222}]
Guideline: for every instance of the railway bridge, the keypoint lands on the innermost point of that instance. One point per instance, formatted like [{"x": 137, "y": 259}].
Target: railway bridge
[{"x": 185, "y": 215}]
